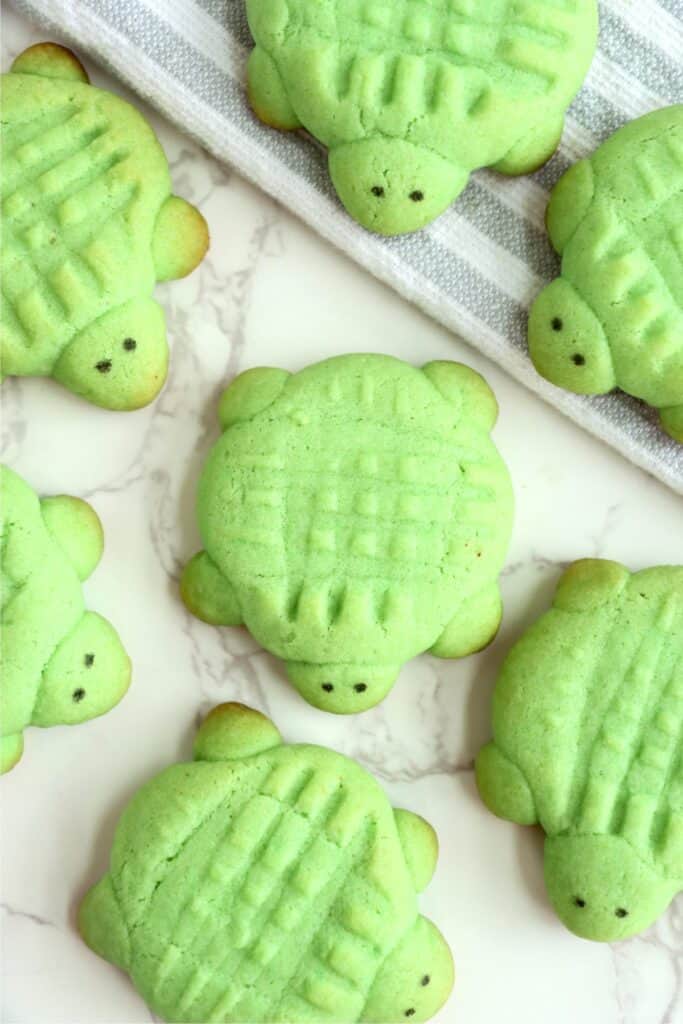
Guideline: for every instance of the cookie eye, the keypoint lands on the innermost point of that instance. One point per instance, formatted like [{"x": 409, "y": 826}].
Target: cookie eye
[
  {"x": 578, "y": 902},
  {"x": 556, "y": 323},
  {"x": 425, "y": 980},
  {"x": 78, "y": 695},
  {"x": 104, "y": 366},
  {"x": 328, "y": 687},
  {"x": 360, "y": 687},
  {"x": 377, "y": 190},
  {"x": 417, "y": 196},
  {"x": 88, "y": 660},
  {"x": 130, "y": 344},
  {"x": 578, "y": 359},
  {"x": 621, "y": 912},
  {"x": 410, "y": 1012}
]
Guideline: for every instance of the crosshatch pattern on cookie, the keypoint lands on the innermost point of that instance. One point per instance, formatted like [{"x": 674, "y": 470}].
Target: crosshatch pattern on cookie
[
  {"x": 275, "y": 886},
  {"x": 614, "y": 317},
  {"x": 588, "y": 741},
  {"x": 410, "y": 97},
  {"x": 511, "y": 34},
  {"x": 386, "y": 507},
  {"x": 66, "y": 195},
  {"x": 89, "y": 225},
  {"x": 349, "y": 511},
  {"x": 291, "y": 843}
]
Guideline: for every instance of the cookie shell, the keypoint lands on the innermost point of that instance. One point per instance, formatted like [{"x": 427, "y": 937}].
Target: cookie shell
[
  {"x": 354, "y": 515},
  {"x": 61, "y": 664},
  {"x": 614, "y": 317},
  {"x": 410, "y": 98},
  {"x": 270, "y": 883},
  {"x": 88, "y": 226},
  {"x": 587, "y": 742}
]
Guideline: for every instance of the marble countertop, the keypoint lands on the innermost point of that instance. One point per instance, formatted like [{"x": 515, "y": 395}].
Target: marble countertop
[{"x": 272, "y": 292}]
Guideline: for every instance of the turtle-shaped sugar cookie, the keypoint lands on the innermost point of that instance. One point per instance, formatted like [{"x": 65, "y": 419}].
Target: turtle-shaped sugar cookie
[
  {"x": 614, "y": 318},
  {"x": 588, "y": 742},
  {"x": 60, "y": 663},
  {"x": 88, "y": 225},
  {"x": 270, "y": 883},
  {"x": 353, "y": 515},
  {"x": 410, "y": 96}
]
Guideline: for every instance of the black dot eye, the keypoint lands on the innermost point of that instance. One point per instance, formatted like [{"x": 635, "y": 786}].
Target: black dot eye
[
  {"x": 425, "y": 980},
  {"x": 556, "y": 324},
  {"x": 621, "y": 912},
  {"x": 578, "y": 902},
  {"x": 328, "y": 687},
  {"x": 578, "y": 359},
  {"x": 89, "y": 660},
  {"x": 360, "y": 687},
  {"x": 417, "y": 196},
  {"x": 410, "y": 1012},
  {"x": 130, "y": 344},
  {"x": 377, "y": 190},
  {"x": 104, "y": 366},
  {"x": 78, "y": 695}
]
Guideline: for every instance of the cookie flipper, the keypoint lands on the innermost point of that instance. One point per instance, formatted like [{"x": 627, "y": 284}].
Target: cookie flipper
[
  {"x": 473, "y": 627},
  {"x": 503, "y": 788},
  {"x": 672, "y": 422},
  {"x": 465, "y": 389},
  {"x": 420, "y": 846},
  {"x": 233, "y": 731},
  {"x": 569, "y": 203},
  {"x": 101, "y": 924},
  {"x": 11, "y": 749},
  {"x": 267, "y": 95},
  {"x": 50, "y": 60},
  {"x": 207, "y": 593},
  {"x": 250, "y": 393},
  {"x": 180, "y": 241},
  {"x": 76, "y": 528},
  {"x": 590, "y": 583},
  {"x": 532, "y": 151}
]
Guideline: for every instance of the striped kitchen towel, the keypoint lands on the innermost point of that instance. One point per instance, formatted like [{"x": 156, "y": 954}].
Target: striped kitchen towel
[{"x": 478, "y": 267}]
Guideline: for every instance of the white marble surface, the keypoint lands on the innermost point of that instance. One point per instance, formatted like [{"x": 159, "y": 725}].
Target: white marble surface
[{"x": 272, "y": 292}]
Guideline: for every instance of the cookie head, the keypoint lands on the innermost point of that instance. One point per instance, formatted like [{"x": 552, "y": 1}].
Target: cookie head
[
  {"x": 342, "y": 689},
  {"x": 567, "y": 342},
  {"x": 601, "y": 889},
  {"x": 415, "y": 980},
  {"x": 87, "y": 675},
  {"x": 391, "y": 186},
  {"x": 120, "y": 361}
]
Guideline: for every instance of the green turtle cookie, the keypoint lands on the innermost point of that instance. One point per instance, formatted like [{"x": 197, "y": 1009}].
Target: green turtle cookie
[
  {"x": 614, "y": 317},
  {"x": 588, "y": 742},
  {"x": 60, "y": 663},
  {"x": 410, "y": 97},
  {"x": 270, "y": 883},
  {"x": 88, "y": 225},
  {"x": 353, "y": 515}
]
